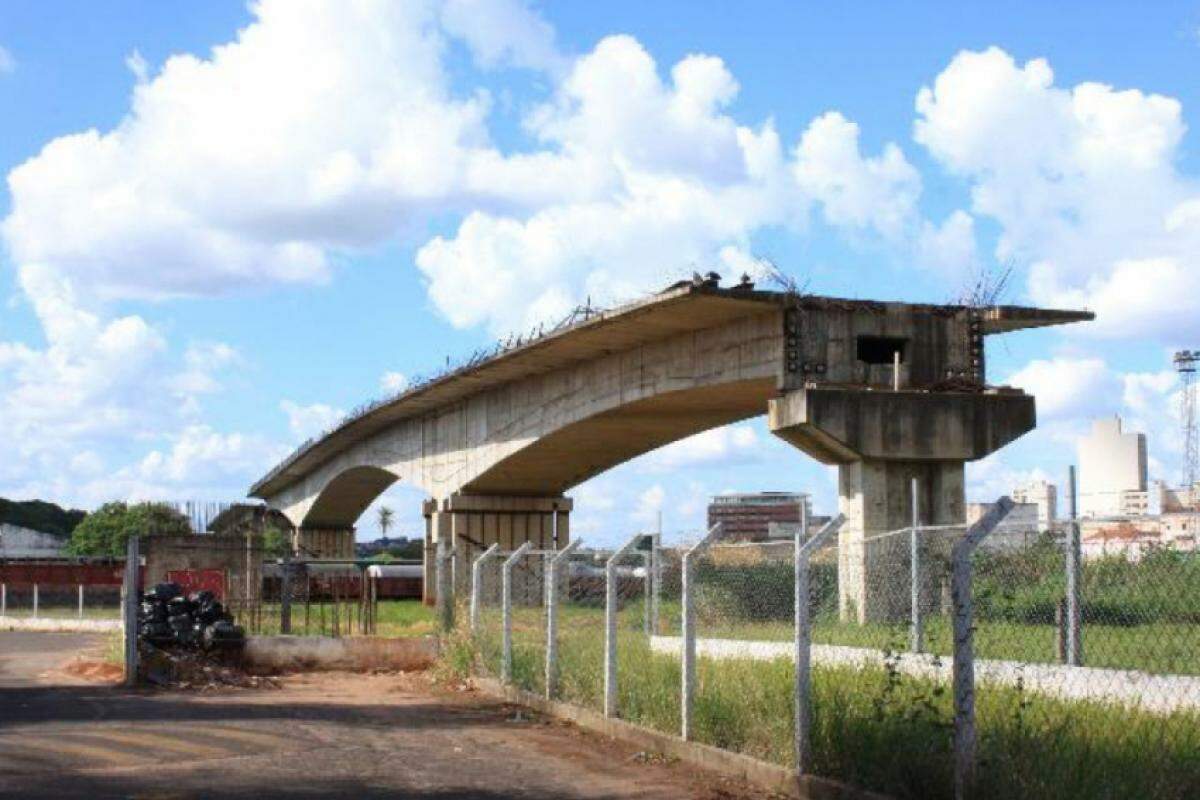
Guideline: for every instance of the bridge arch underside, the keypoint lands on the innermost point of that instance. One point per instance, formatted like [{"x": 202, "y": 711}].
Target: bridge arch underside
[
  {"x": 553, "y": 463},
  {"x": 347, "y": 496}
]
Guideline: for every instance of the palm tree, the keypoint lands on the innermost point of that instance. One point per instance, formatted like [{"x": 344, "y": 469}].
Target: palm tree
[{"x": 385, "y": 520}]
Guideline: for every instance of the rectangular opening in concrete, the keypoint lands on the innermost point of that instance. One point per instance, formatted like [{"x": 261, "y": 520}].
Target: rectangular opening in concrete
[{"x": 881, "y": 349}]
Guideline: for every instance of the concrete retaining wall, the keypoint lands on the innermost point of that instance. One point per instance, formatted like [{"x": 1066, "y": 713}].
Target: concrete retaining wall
[
  {"x": 357, "y": 654},
  {"x": 1157, "y": 693},
  {"x": 768, "y": 776}
]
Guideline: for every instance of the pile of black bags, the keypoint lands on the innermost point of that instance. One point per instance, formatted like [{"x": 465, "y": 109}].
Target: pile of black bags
[{"x": 168, "y": 618}]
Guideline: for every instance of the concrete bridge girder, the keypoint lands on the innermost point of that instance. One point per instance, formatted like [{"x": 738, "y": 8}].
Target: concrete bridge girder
[
  {"x": 513, "y": 433},
  {"x": 551, "y": 431}
]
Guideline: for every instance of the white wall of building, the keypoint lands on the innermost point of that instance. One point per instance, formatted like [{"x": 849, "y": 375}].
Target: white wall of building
[
  {"x": 1112, "y": 464},
  {"x": 1042, "y": 494}
]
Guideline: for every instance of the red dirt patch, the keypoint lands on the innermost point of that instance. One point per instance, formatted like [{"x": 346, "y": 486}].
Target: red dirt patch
[{"x": 94, "y": 671}]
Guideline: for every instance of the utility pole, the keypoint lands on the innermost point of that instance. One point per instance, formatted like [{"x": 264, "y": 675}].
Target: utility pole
[{"x": 1185, "y": 364}]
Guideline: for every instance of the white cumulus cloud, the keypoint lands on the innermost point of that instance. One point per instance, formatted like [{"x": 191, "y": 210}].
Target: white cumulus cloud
[
  {"x": 727, "y": 445},
  {"x": 393, "y": 381},
  {"x": 310, "y": 420},
  {"x": 1084, "y": 184}
]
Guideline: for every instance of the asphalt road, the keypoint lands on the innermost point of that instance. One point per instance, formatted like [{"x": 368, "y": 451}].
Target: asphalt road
[{"x": 331, "y": 735}]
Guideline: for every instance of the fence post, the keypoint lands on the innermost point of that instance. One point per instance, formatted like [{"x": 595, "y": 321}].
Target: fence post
[
  {"x": 917, "y": 635},
  {"x": 1074, "y": 578},
  {"x": 445, "y": 590},
  {"x": 655, "y": 581},
  {"x": 688, "y": 657},
  {"x": 802, "y": 702},
  {"x": 285, "y": 596},
  {"x": 3, "y": 599},
  {"x": 506, "y": 609},
  {"x": 964, "y": 652},
  {"x": 648, "y": 588},
  {"x": 559, "y": 560},
  {"x": 129, "y": 607},
  {"x": 477, "y": 583},
  {"x": 35, "y": 600},
  {"x": 80, "y": 601},
  {"x": 610, "y": 624}
]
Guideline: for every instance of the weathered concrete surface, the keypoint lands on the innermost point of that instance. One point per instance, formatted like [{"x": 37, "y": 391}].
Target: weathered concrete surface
[
  {"x": 238, "y": 558},
  {"x": 530, "y": 423},
  {"x": 545, "y": 416},
  {"x": 839, "y": 426},
  {"x": 539, "y": 434},
  {"x": 1161, "y": 694},
  {"x": 355, "y": 654}
]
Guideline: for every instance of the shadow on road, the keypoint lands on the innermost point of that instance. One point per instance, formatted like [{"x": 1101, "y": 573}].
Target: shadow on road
[{"x": 46, "y": 704}]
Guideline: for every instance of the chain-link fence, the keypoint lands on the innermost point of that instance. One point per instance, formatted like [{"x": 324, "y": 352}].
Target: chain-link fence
[
  {"x": 485, "y": 613},
  {"x": 986, "y": 660},
  {"x": 580, "y": 628},
  {"x": 742, "y": 596},
  {"x": 1097, "y": 652},
  {"x": 523, "y": 593}
]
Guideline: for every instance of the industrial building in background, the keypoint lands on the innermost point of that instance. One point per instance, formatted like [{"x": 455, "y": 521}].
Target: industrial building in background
[
  {"x": 752, "y": 517},
  {"x": 1112, "y": 471},
  {"x": 1042, "y": 494}
]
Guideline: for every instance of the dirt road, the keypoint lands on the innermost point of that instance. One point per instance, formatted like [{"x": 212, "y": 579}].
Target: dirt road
[
  {"x": 25, "y": 656},
  {"x": 317, "y": 736}
]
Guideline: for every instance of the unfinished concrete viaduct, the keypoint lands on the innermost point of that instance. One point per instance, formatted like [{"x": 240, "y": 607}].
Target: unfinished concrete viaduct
[{"x": 886, "y": 391}]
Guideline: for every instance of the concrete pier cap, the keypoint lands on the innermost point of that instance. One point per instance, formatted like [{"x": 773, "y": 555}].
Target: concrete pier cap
[{"x": 919, "y": 418}]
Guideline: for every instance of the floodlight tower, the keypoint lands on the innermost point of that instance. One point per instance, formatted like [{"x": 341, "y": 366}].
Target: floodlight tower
[{"x": 1185, "y": 365}]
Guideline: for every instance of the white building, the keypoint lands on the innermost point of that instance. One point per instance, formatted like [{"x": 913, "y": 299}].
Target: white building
[
  {"x": 1020, "y": 528},
  {"x": 1112, "y": 471},
  {"x": 1042, "y": 494},
  {"x": 18, "y": 542}
]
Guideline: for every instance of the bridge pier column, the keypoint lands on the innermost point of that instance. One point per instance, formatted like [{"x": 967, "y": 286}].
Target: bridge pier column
[
  {"x": 321, "y": 543},
  {"x": 880, "y": 441},
  {"x": 472, "y": 523},
  {"x": 874, "y": 578}
]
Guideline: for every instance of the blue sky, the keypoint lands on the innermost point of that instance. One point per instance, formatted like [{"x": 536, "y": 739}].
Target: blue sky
[{"x": 246, "y": 246}]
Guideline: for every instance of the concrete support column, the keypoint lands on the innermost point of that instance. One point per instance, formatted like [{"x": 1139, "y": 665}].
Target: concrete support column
[
  {"x": 876, "y": 496},
  {"x": 880, "y": 441},
  {"x": 323, "y": 543},
  {"x": 472, "y": 523}
]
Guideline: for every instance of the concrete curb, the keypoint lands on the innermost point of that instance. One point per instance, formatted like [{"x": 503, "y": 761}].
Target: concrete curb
[
  {"x": 56, "y": 625},
  {"x": 762, "y": 774},
  {"x": 355, "y": 653}
]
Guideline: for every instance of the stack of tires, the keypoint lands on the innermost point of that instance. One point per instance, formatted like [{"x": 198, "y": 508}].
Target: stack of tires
[{"x": 168, "y": 618}]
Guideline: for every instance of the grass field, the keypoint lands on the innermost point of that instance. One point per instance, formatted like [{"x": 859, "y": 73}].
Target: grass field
[
  {"x": 1171, "y": 648},
  {"x": 396, "y": 618},
  {"x": 872, "y": 727}
]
